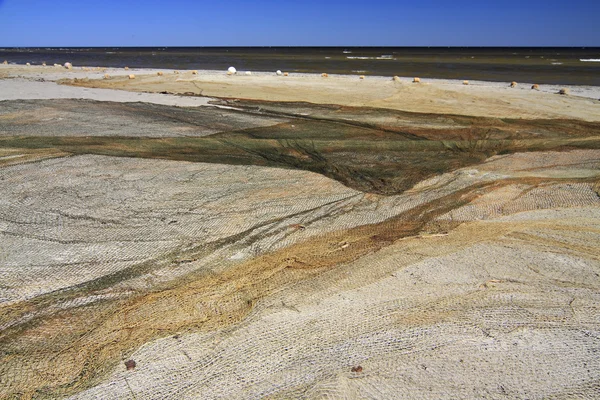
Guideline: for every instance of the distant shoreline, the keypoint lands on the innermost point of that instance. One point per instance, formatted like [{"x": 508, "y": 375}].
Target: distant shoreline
[
  {"x": 310, "y": 47},
  {"x": 435, "y": 96},
  {"x": 547, "y": 65},
  {"x": 56, "y": 73}
]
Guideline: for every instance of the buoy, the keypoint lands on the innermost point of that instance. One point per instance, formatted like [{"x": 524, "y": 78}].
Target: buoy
[
  {"x": 513, "y": 84},
  {"x": 325, "y": 75},
  {"x": 248, "y": 73},
  {"x": 131, "y": 76},
  {"x": 285, "y": 74},
  {"x": 362, "y": 77},
  {"x": 194, "y": 72},
  {"x": 535, "y": 86},
  {"x": 232, "y": 70},
  {"x": 5, "y": 62},
  {"x": 126, "y": 68},
  {"x": 417, "y": 80},
  {"x": 44, "y": 64},
  {"x": 68, "y": 65},
  {"x": 563, "y": 91},
  {"x": 396, "y": 79},
  {"x": 106, "y": 76},
  {"x": 176, "y": 72},
  {"x": 159, "y": 73},
  {"x": 465, "y": 82},
  {"x": 29, "y": 65},
  {"x": 279, "y": 73}
]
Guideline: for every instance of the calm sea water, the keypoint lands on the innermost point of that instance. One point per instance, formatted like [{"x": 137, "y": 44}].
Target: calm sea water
[{"x": 540, "y": 65}]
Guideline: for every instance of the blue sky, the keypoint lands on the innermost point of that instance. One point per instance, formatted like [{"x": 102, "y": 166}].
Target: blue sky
[{"x": 299, "y": 23}]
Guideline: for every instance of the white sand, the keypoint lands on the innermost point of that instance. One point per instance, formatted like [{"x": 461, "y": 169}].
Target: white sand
[{"x": 26, "y": 89}]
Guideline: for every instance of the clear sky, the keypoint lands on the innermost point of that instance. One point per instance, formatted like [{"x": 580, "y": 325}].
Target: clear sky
[{"x": 43, "y": 23}]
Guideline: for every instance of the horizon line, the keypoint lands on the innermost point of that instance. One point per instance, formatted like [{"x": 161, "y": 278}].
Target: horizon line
[{"x": 303, "y": 46}]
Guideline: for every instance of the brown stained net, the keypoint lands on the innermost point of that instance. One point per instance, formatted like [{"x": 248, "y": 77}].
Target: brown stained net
[
  {"x": 51, "y": 352},
  {"x": 58, "y": 353},
  {"x": 15, "y": 156}
]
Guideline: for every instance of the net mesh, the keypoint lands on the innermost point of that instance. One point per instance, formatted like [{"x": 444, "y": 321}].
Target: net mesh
[{"x": 245, "y": 281}]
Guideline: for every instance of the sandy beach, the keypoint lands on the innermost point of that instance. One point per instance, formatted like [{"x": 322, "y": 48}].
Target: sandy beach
[
  {"x": 261, "y": 236},
  {"x": 486, "y": 99}
]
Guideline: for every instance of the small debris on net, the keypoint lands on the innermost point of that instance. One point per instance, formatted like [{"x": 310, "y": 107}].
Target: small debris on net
[
  {"x": 298, "y": 227},
  {"x": 130, "y": 365},
  {"x": 358, "y": 369}
]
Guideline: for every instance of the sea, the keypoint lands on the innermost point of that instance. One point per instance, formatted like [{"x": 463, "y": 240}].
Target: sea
[{"x": 544, "y": 65}]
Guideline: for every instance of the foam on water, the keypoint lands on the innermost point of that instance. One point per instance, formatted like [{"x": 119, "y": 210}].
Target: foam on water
[{"x": 371, "y": 58}]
